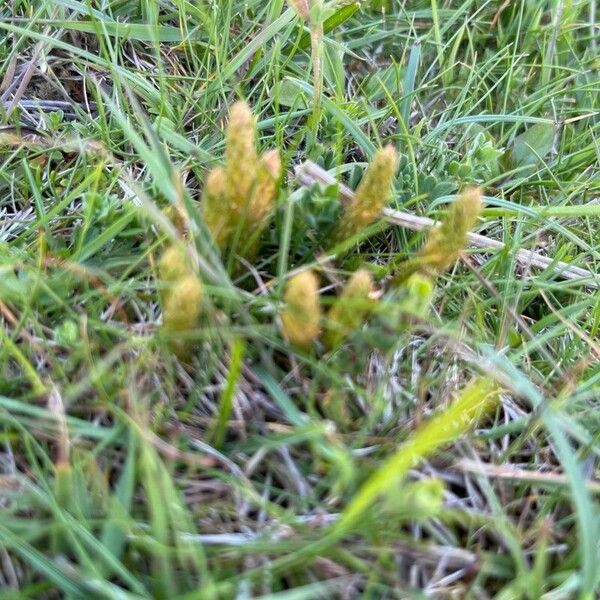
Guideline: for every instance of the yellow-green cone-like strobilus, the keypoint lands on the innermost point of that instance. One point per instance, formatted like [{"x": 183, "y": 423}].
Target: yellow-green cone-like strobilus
[
  {"x": 349, "y": 311},
  {"x": 182, "y": 307},
  {"x": 173, "y": 265},
  {"x": 216, "y": 209},
  {"x": 447, "y": 240},
  {"x": 241, "y": 160},
  {"x": 181, "y": 296},
  {"x": 262, "y": 199},
  {"x": 301, "y": 316},
  {"x": 242, "y": 193},
  {"x": 371, "y": 196}
]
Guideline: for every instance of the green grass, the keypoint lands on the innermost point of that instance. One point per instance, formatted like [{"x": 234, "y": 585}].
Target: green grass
[{"x": 255, "y": 470}]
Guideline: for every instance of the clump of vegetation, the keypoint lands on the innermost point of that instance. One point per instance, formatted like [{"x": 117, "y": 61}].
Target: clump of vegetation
[
  {"x": 240, "y": 197},
  {"x": 218, "y": 380}
]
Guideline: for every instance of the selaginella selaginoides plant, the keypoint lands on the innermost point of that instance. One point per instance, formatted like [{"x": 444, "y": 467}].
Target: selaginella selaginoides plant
[
  {"x": 447, "y": 240},
  {"x": 240, "y": 195},
  {"x": 371, "y": 196},
  {"x": 263, "y": 194},
  {"x": 182, "y": 296},
  {"x": 350, "y": 310},
  {"x": 241, "y": 159},
  {"x": 217, "y": 215},
  {"x": 301, "y": 314},
  {"x": 238, "y": 200}
]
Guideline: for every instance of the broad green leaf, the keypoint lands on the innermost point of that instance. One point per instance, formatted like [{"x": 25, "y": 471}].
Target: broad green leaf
[
  {"x": 288, "y": 94},
  {"x": 533, "y": 145},
  {"x": 335, "y": 20}
]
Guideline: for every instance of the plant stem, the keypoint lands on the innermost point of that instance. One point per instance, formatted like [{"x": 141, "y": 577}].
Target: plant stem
[{"x": 316, "y": 41}]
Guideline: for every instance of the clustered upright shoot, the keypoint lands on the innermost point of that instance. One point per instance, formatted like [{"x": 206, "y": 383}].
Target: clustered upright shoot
[
  {"x": 181, "y": 297},
  {"x": 239, "y": 197},
  {"x": 372, "y": 195},
  {"x": 446, "y": 241},
  {"x": 350, "y": 309},
  {"x": 301, "y": 315}
]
